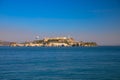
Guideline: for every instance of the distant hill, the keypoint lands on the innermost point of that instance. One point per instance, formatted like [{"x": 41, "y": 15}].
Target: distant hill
[{"x": 4, "y": 43}]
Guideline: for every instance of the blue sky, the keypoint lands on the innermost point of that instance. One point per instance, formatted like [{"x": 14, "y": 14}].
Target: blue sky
[{"x": 84, "y": 20}]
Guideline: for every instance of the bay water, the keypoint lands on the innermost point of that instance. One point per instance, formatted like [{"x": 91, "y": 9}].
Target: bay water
[{"x": 60, "y": 63}]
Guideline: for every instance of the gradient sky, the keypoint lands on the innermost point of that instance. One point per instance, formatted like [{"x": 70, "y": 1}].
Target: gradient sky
[{"x": 84, "y": 20}]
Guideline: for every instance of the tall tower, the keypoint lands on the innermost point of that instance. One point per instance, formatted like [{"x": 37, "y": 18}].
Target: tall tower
[{"x": 37, "y": 37}]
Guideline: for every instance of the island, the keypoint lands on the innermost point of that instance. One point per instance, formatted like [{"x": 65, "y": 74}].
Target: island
[{"x": 54, "y": 42}]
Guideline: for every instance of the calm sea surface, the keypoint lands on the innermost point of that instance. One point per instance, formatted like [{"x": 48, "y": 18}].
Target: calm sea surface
[{"x": 60, "y": 63}]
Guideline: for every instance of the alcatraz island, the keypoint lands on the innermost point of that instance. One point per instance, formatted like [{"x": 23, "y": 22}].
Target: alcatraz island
[{"x": 51, "y": 42}]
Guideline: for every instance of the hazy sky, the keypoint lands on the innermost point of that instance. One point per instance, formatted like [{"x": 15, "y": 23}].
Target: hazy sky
[{"x": 84, "y": 20}]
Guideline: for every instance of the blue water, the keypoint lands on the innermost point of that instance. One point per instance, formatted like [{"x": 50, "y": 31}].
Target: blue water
[{"x": 60, "y": 63}]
